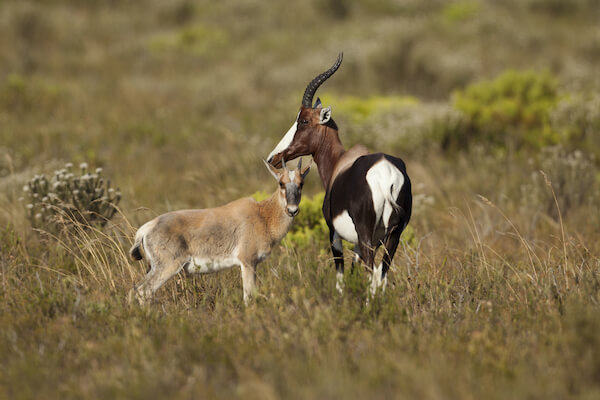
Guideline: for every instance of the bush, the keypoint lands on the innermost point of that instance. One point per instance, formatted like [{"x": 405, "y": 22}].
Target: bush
[
  {"x": 577, "y": 119},
  {"x": 573, "y": 179},
  {"x": 512, "y": 110},
  {"x": 309, "y": 226},
  {"x": 68, "y": 198}
]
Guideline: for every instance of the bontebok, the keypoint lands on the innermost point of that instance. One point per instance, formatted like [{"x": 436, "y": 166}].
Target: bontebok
[
  {"x": 368, "y": 198},
  {"x": 241, "y": 233}
]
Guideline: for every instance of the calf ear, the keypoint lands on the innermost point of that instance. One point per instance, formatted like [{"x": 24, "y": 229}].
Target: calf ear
[
  {"x": 306, "y": 169},
  {"x": 274, "y": 171},
  {"x": 325, "y": 115}
]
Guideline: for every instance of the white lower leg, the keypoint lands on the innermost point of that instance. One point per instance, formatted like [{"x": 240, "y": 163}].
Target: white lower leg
[
  {"x": 339, "y": 282},
  {"x": 376, "y": 279},
  {"x": 248, "y": 282}
]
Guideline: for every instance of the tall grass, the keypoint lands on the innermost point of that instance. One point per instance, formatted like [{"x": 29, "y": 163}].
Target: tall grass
[{"x": 488, "y": 297}]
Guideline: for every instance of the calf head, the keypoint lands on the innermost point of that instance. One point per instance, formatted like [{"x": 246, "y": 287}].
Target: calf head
[{"x": 290, "y": 185}]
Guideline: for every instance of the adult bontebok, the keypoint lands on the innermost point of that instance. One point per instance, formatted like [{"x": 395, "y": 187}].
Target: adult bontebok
[
  {"x": 368, "y": 198},
  {"x": 241, "y": 233}
]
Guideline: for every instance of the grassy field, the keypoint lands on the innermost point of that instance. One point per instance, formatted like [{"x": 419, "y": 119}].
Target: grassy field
[{"x": 494, "y": 292}]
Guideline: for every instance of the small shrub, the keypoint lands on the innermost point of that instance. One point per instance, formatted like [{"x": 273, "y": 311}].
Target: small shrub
[
  {"x": 195, "y": 39},
  {"x": 512, "y": 110},
  {"x": 359, "y": 109},
  {"x": 309, "y": 226},
  {"x": 573, "y": 179},
  {"x": 577, "y": 119},
  {"x": 68, "y": 198},
  {"x": 460, "y": 11}
]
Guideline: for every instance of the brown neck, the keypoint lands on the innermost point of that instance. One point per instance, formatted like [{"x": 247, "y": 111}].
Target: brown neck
[
  {"x": 273, "y": 213},
  {"x": 327, "y": 154}
]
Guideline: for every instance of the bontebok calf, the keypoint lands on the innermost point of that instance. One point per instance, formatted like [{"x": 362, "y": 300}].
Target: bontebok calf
[{"x": 241, "y": 233}]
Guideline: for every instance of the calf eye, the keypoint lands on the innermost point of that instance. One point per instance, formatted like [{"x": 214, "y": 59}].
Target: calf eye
[{"x": 281, "y": 185}]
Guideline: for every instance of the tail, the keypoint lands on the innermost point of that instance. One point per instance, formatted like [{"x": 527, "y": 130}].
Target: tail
[
  {"x": 391, "y": 200},
  {"x": 390, "y": 188},
  {"x": 137, "y": 251}
]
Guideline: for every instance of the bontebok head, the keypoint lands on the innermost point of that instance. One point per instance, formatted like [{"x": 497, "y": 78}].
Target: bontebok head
[
  {"x": 290, "y": 185},
  {"x": 312, "y": 123}
]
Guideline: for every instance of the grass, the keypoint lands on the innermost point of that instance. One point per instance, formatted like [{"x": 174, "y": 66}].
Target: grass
[{"x": 494, "y": 294}]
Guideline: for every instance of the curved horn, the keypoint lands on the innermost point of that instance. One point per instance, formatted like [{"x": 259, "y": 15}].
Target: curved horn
[
  {"x": 318, "y": 81},
  {"x": 299, "y": 167}
]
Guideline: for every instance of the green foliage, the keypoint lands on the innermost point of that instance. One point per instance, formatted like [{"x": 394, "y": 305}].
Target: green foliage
[
  {"x": 577, "y": 119},
  {"x": 512, "y": 109},
  {"x": 85, "y": 198},
  {"x": 360, "y": 109},
  {"x": 196, "y": 39},
  {"x": 572, "y": 177},
  {"x": 309, "y": 225},
  {"x": 18, "y": 93},
  {"x": 460, "y": 11},
  {"x": 310, "y": 228},
  {"x": 261, "y": 195}
]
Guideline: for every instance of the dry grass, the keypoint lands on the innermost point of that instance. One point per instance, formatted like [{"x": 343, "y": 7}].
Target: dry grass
[{"x": 496, "y": 296}]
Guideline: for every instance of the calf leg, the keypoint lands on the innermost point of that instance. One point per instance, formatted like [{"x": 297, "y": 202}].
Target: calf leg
[
  {"x": 248, "y": 281},
  {"x": 160, "y": 272},
  {"x": 337, "y": 250}
]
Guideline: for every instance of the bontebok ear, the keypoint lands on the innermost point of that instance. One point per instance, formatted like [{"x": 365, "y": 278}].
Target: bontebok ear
[
  {"x": 318, "y": 103},
  {"x": 272, "y": 170},
  {"x": 306, "y": 169},
  {"x": 325, "y": 115}
]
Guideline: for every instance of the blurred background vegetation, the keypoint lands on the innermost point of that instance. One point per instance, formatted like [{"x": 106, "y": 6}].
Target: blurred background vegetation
[{"x": 177, "y": 101}]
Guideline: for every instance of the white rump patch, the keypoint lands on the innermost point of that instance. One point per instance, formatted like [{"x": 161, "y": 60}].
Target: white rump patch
[
  {"x": 344, "y": 226},
  {"x": 286, "y": 141},
  {"x": 385, "y": 181},
  {"x": 208, "y": 265}
]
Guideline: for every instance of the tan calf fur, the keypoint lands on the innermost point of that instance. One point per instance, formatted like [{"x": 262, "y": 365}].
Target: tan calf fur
[{"x": 242, "y": 233}]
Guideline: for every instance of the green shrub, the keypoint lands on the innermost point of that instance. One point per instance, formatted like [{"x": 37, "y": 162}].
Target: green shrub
[
  {"x": 195, "y": 39},
  {"x": 460, "y": 11},
  {"x": 511, "y": 110},
  {"x": 360, "y": 109},
  {"x": 577, "y": 119},
  {"x": 68, "y": 198},
  {"x": 309, "y": 226},
  {"x": 573, "y": 179}
]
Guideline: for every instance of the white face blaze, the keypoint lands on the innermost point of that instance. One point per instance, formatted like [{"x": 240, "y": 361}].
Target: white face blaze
[{"x": 286, "y": 140}]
